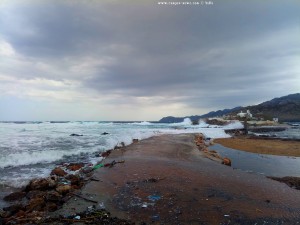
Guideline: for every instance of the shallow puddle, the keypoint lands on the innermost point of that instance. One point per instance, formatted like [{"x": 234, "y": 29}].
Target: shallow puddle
[{"x": 268, "y": 165}]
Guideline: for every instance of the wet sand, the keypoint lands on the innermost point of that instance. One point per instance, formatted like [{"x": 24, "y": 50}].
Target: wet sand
[
  {"x": 185, "y": 187},
  {"x": 262, "y": 146}
]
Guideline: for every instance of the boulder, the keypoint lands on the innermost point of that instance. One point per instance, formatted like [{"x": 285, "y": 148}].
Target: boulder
[
  {"x": 12, "y": 209},
  {"x": 38, "y": 184},
  {"x": 58, "y": 172},
  {"x": 53, "y": 196},
  {"x": 76, "y": 135},
  {"x": 35, "y": 194},
  {"x": 74, "y": 179},
  {"x": 21, "y": 213},
  {"x": 226, "y": 161},
  {"x": 35, "y": 204},
  {"x": 135, "y": 140},
  {"x": 75, "y": 166},
  {"x": 15, "y": 196},
  {"x": 87, "y": 170},
  {"x": 105, "y": 154},
  {"x": 63, "y": 189},
  {"x": 51, "y": 207}
]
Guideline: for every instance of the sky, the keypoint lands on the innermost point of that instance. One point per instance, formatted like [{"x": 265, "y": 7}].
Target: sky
[{"x": 142, "y": 60}]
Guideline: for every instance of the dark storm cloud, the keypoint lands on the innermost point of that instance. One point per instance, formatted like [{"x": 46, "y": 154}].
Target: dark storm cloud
[{"x": 226, "y": 54}]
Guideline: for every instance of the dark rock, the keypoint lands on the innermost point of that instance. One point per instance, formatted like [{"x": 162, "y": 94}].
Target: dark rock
[
  {"x": 14, "y": 196},
  {"x": 75, "y": 179},
  {"x": 51, "y": 207},
  {"x": 104, "y": 133},
  {"x": 58, "y": 172},
  {"x": 87, "y": 170},
  {"x": 53, "y": 196},
  {"x": 135, "y": 140},
  {"x": 35, "y": 194},
  {"x": 76, "y": 135},
  {"x": 63, "y": 189},
  {"x": 52, "y": 181},
  {"x": 293, "y": 182},
  {"x": 105, "y": 154},
  {"x": 13, "y": 208},
  {"x": 38, "y": 184},
  {"x": 75, "y": 166},
  {"x": 35, "y": 204},
  {"x": 21, "y": 213}
]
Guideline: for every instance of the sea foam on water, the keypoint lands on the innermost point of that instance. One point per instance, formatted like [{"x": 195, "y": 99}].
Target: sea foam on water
[{"x": 33, "y": 149}]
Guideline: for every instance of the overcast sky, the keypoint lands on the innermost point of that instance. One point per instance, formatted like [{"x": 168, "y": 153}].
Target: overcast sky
[{"x": 140, "y": 60}]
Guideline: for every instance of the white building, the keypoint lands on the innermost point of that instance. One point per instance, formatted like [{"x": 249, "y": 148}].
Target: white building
[{"x": 245, "y": 114}]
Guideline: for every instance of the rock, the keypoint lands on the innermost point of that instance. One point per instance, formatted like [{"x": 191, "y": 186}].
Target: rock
[
  {"x": 87, "y": 170},
  {"x": 104, "y": 133},
  {"x": 105, "y": 154},
  {"x": 76, "y": 135},
  {"x": 75, "y": 179},
  {"x": 63, "y": 189},
  {"x": 293, "y": 182},
  {"x": 15, "y": 196},
  {"x": 52, "y": 181},
  {"x": 226, "y": 161},
  {"x": 58, "y": 172},
  {"x": 135, "y": 140},
  {"x": 35, "y": 204},
  {"x": 75, "y": 166},
  {"x": 53, "y": 196},
  {"x": 38, "y": 184},
  {"x": 21, "y": 213},
  {"x": 35, "y": 194},
  {"x": 51, "y": 207},
  {"x": 12, "y": 209}
]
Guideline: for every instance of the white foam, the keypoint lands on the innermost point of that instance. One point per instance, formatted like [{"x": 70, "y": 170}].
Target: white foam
[
  {"x": 142, "y": 123},
  {"x": 234, "y": 125},
  {"x": 185, "y": 122}
]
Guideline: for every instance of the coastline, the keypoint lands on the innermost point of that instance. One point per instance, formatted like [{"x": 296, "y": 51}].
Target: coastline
[{"x": 167, "y": 179}]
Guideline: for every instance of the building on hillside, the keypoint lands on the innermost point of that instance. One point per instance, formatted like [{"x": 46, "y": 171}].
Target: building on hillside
[{"x": 245, "y": 114}]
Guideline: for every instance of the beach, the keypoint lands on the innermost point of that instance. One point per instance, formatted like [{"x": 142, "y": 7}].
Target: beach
[
  {"x": 262, "y": 146},
  {"x": 167, "y": 180}
]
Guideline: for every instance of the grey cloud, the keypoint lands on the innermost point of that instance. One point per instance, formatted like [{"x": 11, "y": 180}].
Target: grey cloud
[{"x": 199, "y": 53}]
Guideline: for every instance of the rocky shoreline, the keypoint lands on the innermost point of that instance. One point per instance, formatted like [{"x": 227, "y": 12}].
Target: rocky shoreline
[{"x": 44, "y": 195}]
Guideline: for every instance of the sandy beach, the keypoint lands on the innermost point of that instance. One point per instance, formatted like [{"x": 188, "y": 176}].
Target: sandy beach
[
  {"x": 262, "y": 146},
  {"x": 167, "y": 180}
]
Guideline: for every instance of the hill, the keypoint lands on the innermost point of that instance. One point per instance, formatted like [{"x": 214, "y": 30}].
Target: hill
[
  {"x": 286, "y": 108},
  {"x": 172, "y": 119}
]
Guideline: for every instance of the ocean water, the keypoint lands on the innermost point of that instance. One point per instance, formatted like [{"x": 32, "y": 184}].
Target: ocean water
[{"x": 32, "y": 149}]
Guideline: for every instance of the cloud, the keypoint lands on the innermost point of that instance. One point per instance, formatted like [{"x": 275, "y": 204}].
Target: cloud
[{"x": 142, "y": 55}]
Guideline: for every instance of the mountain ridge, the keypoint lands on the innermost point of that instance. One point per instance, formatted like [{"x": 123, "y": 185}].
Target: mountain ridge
[{"x": 285, "y": 108}]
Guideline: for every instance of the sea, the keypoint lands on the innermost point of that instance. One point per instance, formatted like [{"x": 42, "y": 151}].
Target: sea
[{"x": 32, "y": 149}]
